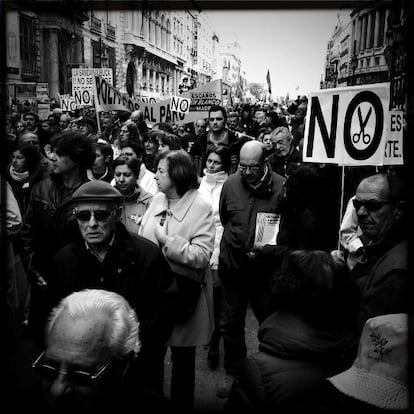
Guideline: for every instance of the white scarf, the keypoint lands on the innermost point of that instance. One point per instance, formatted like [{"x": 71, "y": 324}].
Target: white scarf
[{"x": 19, "y": 177}]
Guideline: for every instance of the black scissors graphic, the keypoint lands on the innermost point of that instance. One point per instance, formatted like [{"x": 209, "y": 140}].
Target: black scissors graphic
[{"x": 366, "y": 138}]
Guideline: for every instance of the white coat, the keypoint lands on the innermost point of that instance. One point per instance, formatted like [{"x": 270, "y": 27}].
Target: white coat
[{"x": 190, "y": 229}]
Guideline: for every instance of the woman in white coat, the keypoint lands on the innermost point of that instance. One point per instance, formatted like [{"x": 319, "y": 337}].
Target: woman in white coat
[
  {"x": 218, "y": 165},
  {"x": 181, "y": 222}
]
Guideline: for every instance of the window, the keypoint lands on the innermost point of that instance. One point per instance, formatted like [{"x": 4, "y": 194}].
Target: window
[{"x": 28, "y": 47}]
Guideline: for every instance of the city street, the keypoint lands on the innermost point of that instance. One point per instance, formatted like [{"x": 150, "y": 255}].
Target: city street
[{"x": 207, "y": 381}]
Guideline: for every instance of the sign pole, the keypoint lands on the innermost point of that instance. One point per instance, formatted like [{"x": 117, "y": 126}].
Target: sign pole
[{"x": 341, "y": 208}]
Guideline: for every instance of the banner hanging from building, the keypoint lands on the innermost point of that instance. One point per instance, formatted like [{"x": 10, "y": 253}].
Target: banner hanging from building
[
  {"x": 353, "y": 126},
  {"x": 108, "y": 98}
]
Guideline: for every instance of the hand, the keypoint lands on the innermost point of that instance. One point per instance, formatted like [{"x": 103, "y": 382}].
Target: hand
[
  {"x": 338, "y": 255},
  {"x": 161, "y": 233}
]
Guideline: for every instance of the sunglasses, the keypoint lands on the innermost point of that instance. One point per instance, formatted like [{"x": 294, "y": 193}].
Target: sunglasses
[
  {"x": 369, "y": 205},
  {"x": 99, "y": 215},
  {"x": 75, "y": 377}
]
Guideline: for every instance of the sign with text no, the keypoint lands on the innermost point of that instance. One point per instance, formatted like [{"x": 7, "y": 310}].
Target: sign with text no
[{"x": 353, "y": 126}]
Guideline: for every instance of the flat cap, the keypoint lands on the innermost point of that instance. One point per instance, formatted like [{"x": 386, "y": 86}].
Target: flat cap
[{"x": 97, "y": 190}]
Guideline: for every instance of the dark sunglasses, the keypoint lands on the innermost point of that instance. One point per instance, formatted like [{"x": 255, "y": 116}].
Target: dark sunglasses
[
  {"x": 75, "y": 377},
  {"x": 85, "y": 215},
  {"x": 369, "y": 205}
]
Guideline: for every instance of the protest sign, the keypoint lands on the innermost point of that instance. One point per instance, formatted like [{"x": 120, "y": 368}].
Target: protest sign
[
  {"x": 108, "y": 98},
  {"x": 352, "y": 126},
  {"x": 82, "y": 83}
]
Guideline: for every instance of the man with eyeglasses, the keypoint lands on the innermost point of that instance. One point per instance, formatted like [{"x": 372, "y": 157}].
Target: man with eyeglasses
[
  {"x": 381, "y": 206},
  {"x": 106, "y": 256},
  {"x": 92, "y": 341},
  {"x": 251, "y": 193},
  {"x": 217, "y": 135}
]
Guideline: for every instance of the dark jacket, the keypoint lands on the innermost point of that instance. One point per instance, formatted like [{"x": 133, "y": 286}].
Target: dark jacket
[
  {"x": 49, "y": 223},
  {"x": 239, "y": 205},
  {"x": 382, "y": 278},
  {"x": 134, "y": 267},
  {"x": 199, "y": 151},
  {"x": 294, "y": 359},
  {"x": 286, "y": 165}
]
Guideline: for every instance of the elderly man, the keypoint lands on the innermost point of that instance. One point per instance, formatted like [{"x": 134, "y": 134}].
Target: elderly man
[
  {"x": 106, "y": 256},
  {"x": 92, "y": 340},
  {"x": 286, "y": 158},
  {"x": 218, "y": 135},
  {"x": 249, "y": 199},
  {"x": 381, "y": 205}
]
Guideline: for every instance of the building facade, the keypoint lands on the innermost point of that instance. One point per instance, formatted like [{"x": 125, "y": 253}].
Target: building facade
[{"x": 150, "y": 50}]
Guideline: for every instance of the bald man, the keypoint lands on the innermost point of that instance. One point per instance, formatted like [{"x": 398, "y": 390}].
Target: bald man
[
  {"x": 249, "y": 195},
  {"x": 138, "y": 118}
]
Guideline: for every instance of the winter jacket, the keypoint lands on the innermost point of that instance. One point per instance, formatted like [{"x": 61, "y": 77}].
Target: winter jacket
[
  {"x": 133, "y": 267},
  {"x": 239, "y": 206},
  {"x": 190, "y": 230},
  {"x": 133, "y": 208},
  {"x": 294, "y": 359},
  {"x": 210, "y": 188},
  {"x": 49, "y": 223},
  {"x": 199, "y": 151}
]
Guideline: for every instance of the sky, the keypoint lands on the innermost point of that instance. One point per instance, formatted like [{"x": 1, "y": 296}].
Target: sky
[{"x": 291, "y": 44}]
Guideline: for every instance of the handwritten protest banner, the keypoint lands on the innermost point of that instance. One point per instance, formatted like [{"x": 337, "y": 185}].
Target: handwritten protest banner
[{"x": 109, "y": 98}]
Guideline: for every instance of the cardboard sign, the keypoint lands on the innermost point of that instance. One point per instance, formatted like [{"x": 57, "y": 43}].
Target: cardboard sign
[
  {"x": 67, "y": 103},
  {"x": 82, "y": 83},
  {"x": 179, "y": 104},
  {"x": 108, "y": 98},
  {"x": 352, "y": 126}
]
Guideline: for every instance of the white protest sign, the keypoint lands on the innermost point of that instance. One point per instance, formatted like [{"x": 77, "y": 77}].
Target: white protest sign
[
  {"x": 83, "y": 80},
  {"x": 348, "y": 126},
  {"x": 108, "y": 98},
  {"x": 179, "y": 104},
  {"x": 393, "y": 154},
  {"x": 67, "y": 103}
]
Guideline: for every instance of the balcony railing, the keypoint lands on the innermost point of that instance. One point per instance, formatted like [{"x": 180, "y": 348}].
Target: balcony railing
[
  {"x": 110, "y": 32},
  {"x": 96, "y": 25}
]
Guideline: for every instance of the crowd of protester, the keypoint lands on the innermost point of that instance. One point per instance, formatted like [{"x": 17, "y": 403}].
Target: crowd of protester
[{"x": 178, "y": 229}]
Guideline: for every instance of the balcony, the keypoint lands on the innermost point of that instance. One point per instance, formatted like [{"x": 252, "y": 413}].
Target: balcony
[
  {"x": 96, "y": 25},
  {"x": 110, "y": 32}
]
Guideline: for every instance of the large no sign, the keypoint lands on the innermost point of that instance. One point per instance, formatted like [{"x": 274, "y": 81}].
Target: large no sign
[{"x": 353, "y": 126}]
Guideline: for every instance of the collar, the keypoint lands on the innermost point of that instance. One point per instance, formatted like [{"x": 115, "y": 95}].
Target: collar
[
  {"x": 180, "y": 209},
  {"x": 91, "y": 177},
  {"x": 217, "y": 177},
  {"x": 101, "y": 256},
  {"x": 261, "y": 181}
]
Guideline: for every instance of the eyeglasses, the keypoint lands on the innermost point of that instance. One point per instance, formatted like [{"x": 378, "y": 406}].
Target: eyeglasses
[
  {"x": 99, "y": 215},
  {"x": 369, "y": 205},
  {"x": 75, "y": 377},
  {"x": 252, "y": 168}
]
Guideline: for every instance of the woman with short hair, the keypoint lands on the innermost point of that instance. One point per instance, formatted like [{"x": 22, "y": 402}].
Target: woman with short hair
[{"x": 181, "y": 222}]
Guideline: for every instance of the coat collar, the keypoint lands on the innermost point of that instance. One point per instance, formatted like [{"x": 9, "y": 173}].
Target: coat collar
[{"x": 180, "y": 209}]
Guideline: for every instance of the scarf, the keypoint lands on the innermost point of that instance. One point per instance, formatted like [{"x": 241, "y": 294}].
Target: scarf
[{"x": 19, "y": 177}]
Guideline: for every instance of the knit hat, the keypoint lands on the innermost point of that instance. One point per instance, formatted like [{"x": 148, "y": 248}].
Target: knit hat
[
  {"x": 97, "y": 190},
  {"x": 379, "y": 374}
]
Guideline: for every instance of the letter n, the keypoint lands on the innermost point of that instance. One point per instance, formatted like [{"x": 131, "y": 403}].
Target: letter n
[{"x": 316, "y": 115}]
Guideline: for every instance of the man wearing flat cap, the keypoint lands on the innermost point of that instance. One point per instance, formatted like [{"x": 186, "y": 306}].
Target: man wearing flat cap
[{"x": 106, "y": 256}]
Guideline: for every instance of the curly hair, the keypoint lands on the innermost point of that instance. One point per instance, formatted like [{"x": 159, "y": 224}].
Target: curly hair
[{"x": 76, "y": 146}]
